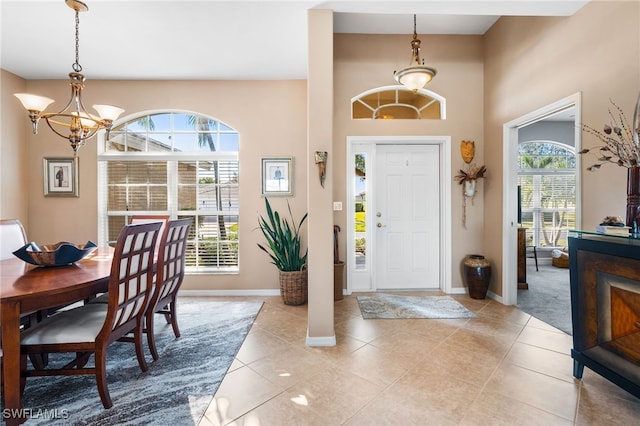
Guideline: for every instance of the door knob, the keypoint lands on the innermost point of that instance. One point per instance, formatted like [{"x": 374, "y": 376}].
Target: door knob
[{"x": 379, "y": 225}]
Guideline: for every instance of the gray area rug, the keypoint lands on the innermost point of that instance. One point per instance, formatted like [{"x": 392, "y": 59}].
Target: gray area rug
[
  {"x": 176, "y": 389},
  {"x": 549, "y": 295},
  {"x": 388, "y": 306}
]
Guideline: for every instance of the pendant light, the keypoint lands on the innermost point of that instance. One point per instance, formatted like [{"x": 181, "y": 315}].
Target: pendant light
[
  {"x": 73, "y": 122},
  {"x": 416, "y": 75}
]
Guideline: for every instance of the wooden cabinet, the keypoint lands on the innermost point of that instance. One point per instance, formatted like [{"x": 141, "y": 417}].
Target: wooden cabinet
[
  {"x": 605, "y": 308},
  {"x": 522, "y": 259}
]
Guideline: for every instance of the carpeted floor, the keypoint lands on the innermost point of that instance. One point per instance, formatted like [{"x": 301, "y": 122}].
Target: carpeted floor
[
  {"x": 549, "y": 296},
  {"x": 389, "y": 306},
  {"x": 192, "y": 366}
]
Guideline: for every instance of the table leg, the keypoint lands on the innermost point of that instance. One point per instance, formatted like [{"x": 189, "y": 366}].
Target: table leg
[{"x": 10, "y": 322}]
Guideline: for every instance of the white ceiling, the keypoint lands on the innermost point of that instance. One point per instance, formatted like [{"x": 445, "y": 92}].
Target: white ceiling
[{"x": 219, "y": 40}]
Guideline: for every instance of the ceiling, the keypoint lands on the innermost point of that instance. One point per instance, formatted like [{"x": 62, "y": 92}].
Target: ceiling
[{"x": 219, "y": 40}]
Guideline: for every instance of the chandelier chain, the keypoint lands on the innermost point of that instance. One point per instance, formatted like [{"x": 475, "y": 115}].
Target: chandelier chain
[{"x": 76, "y": 66}]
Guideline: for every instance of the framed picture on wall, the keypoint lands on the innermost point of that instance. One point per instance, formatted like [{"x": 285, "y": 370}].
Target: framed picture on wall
[
  {"x": 277, "y": 176},
  {"x": 61, "y": 177}
]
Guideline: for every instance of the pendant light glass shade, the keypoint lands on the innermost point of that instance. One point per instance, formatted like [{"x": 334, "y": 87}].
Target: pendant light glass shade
[{"x": 33, "y": 102}]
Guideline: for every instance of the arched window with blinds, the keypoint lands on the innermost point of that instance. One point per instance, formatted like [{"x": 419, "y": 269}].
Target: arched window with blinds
[{"x": 176, "y": 164}]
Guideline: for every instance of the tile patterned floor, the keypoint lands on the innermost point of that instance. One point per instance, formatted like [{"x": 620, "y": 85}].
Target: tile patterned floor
[{"x": 502, "y": 368}]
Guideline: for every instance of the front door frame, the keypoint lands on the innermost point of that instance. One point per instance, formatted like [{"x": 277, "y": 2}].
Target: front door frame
[{"x": 444, "y": 143}]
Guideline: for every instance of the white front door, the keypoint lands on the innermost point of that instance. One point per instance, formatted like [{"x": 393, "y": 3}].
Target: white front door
[{"x": 407, "y": 217}]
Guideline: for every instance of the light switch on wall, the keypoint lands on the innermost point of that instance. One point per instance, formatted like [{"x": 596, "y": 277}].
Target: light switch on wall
[{"x": 337, "y": 206}]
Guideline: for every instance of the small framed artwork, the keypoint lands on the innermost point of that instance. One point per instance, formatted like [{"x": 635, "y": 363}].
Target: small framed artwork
[
  {"x": 61, "y": 177},
  {"x": 277, "y": 176}
]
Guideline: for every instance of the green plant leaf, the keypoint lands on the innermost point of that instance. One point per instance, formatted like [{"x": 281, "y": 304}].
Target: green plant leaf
[{"x": 283, "y": 240}]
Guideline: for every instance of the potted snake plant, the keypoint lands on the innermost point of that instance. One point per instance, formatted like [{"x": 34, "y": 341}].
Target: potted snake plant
[{"x": 284, "y": 247}]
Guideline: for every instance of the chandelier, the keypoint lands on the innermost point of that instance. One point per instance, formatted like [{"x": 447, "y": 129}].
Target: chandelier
[
  {"x": 73, "y": 122},
  {"x": 416, "y": 75}
]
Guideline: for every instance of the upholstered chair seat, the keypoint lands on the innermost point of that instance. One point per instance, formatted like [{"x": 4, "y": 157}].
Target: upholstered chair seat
[{"x": 76, "y": 325}]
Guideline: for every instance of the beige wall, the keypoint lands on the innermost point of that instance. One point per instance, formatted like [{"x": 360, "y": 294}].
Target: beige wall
[
  {"x": 269, "y": 115},
  {"x": 14, "y": 201},
  {"x": 520, "y": 65},
  {"x": 533, "y": 62},
  {"x": 364, "y": 62}
]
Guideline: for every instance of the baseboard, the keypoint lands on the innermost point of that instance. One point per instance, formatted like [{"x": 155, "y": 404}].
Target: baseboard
[
  {"x": 492, "y": 295},
  {"x": 321, "y": 341},
  {"x": 200, "y": 293}
]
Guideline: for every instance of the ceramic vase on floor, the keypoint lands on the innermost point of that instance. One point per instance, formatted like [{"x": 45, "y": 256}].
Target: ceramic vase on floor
[{"x": 477, "y": 274}]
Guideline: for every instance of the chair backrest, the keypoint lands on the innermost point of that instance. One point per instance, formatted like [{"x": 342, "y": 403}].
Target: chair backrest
[
  {"x": 171, "y": 259},
  {"x": 12, "y": 237},
  {"x": 131, "y": 279},
  {"x": 148, "y": 219}
]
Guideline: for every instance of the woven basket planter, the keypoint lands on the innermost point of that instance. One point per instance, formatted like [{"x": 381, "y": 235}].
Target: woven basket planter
[
  {"x": 560, "y": 262},
  {"x": 294, "y": 287}
]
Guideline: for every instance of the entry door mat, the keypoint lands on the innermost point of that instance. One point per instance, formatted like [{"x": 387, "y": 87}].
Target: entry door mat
[{"x": 388, "y": 306}]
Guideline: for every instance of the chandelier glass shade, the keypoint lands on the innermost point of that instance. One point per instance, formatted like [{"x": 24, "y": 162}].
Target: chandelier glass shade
[
  {"x": 416, "y": 75},
  {"x": 73, "y": 122}
]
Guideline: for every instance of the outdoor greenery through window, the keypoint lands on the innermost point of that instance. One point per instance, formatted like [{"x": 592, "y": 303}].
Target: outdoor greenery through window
[
  {"x": 360, "y": 191},
  {"x": 547, "y": 179},
  {"x": 176, "y": 164}
]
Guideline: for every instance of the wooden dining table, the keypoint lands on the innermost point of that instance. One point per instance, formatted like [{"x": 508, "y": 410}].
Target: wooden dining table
[{"x": 26, "y": 288}]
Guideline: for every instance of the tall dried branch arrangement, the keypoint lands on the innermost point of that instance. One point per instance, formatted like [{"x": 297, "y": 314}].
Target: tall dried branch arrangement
[{"x": 620, "y": 142}]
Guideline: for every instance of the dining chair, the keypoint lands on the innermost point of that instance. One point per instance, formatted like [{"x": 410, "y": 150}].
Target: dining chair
[
  {"x": 169, "y": 276},
  {"x": 89, "y": 329},
  {"x": 12, "y": 237}
]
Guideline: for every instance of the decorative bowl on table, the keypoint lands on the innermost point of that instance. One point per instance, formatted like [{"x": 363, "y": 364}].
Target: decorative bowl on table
[{"x": 62, "y": 253}]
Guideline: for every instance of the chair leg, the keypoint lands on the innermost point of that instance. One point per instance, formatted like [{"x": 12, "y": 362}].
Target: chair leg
[
  {"x": 174, "y": 318},
  {"x": 167, "y": 315},
  {"x": 535, "y": 257},
  {"x": 39, "y": 361},
  {"x": 23, "y": 376},
  {"x": 151, "y": 338},
  {"x": 100, "y": 357},
  {"x": 137, "y": 338}
]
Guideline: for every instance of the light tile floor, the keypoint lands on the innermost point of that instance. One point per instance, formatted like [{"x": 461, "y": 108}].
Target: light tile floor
[{"x": 502, "y": 368}]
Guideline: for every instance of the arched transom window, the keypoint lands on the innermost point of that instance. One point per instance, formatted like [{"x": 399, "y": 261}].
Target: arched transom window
[{"x": 397, "y": 102}]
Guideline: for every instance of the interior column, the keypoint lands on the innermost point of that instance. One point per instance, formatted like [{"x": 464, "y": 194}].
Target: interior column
[{"x": 320, "y": 330}]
